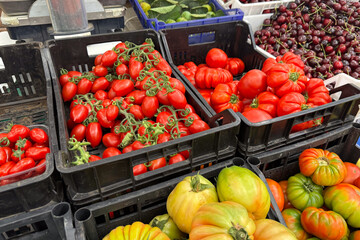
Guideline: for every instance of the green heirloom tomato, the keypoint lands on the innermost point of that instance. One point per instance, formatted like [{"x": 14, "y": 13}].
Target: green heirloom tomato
[
  {"x": 241, "y": 185},
  {"x": 303, "y": 192},
  {"x": 167, "y": 226},
  {"x": 292, "y": 219}
]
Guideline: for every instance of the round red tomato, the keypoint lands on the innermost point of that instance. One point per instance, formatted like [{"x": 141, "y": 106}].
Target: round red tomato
[
  {"x": 110, "y": 152},
  {"x": 216, "y": 58},
  {"x": 252, "y": 84},
  {"x": 256, "y": 115}
]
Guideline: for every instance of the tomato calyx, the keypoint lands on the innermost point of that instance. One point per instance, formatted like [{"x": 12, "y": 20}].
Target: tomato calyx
[
  {"x": 159, "y": 224},
  {"x": 197, "y": 186},
  {"x": 79, "y": 149},
  {"x": 294, "y": 76},
  {"x": 254, "y": 103},
  {"x": 234, "y": 99},
  {"x": 4, "y": 142},
  {"x": 323, "y": 161},
  {"x": 308, "y": 187},
  {"x": 304, "y": 107},
  {"x": 238, "y": 232},
  {"x": 18, "y": 153}
]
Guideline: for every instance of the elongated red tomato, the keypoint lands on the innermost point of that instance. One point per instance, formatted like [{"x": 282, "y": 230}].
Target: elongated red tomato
[
  {"x": 79, "y": 113},
  {"x": 123, "y": 87},
  {"x": 94, "y": 134},
  {"x": 276, "y": 192},
  {"x": 78, "y": 132},
  {"x": 149, "y": 106},
  {"x": 256, "y": 115},
  {"x": 110, "y": 152},
  {"x": 38, "y": 135},
  {"x": 112, "y": 112},
  {"x": 177, "y": 99},
  {"x": 69, "y": 91},
  {"x": 157, "y": 163}
]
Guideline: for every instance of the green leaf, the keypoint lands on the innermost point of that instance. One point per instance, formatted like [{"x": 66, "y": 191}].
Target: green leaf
[
  {"x": 184, "y": 6},
  {"x": 212, "y": 7},
  {"x": 198, "y": 16},
  {"x": 202, "y": 2},
  {"x": 199, "y": 10},
  {"x": 162, "y": 10},
  {"x": 219, "y": 13},
  {"x": 174, "y": 14},
  {"x": 163, "y": 3}
]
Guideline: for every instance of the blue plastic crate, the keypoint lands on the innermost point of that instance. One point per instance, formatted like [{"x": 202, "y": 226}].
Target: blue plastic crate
[{"x": 230, "y": 15}]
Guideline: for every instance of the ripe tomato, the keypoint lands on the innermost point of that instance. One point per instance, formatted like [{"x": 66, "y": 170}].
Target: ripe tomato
[
  {"x": 353, "y": 172},
  {"x": 79, "y": 113},
  {"x": 224, "y": 98},
  {"x": 38, "y": 135},
  {"x": 69, "y": 91},
  {"x": 100, "y": 84},
  {"x": 137, "y": 112},
  {"x": 177, "y": 84},
  {"x": 164, "y": 66},
  {"x": 256, "y": 115},
  {"x": 110, "y": 152},
  {"x": 325, "y": 168},
  {"x": 123, "y": 87},
  {"x": 135, "y": 97},
  {"x": 235, "y": 66},
  {"x": 112, "y": 112},
  {"x": 122, "y": 69},
  {"x": 269, "y": 63},
  {"x": 162, "y": 96},
  {"x": 139, "y": 169},
  {"x": 316, "y": 92},
  {"x": 176, "y": 158},
  {"x": 104, "y": 122},
  {"x": 94, "y": 134},
  {"x": 291, "y": 103},
  {"x": 198, "y": 126},
  {"x": 206, "y": 94},
  {"x": 100, "y": 71},
  {"x": 111, "y": 140},
  {"x": 84, "y": 86},
  {"x": 265, "y": 101},
  {"x": 276, "y": 192},
  {"x": 108, "y": 58},
  {"x": 164, "y": 137},
  {"x": 149, "y": 106},
  {"x": 252, "y": 84},
  {"x": 94, "y": 158},
  {"x": 283, "y": 185},
  {"x": 101, "y": 95},
  {"x": 97, "y": 60},
  {"x": 211, "y": 77},
  {"x": 286, "y": 78},
  {"x": 216, "y": 58},
  {"x": 177, "y": 99},
  {"x": 78, "y": 132},
  {"x": 134, "y": 68},
  {"x": 292, "y": 219},
  {"x": 291, "y": 58},
  {"x": 157, "y": 163}
]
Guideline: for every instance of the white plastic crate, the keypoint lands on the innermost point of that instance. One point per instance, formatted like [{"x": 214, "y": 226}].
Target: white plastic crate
[{"x": 253, "y": 8}]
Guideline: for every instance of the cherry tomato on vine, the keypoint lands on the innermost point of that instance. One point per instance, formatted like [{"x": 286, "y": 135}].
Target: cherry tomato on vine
[
  {"x": 100, "y": 71},
  {"x": 136, "y": 97},
  {"x": 94, "y": 158},
  {"x": 94, "y": 134},
  {"x": 112, "y": 112},
  {"x": 177, "y": 84},
  {"x": 164, "y": 137},
  {"x": 139, "y": 169},
  {"x": 176, "y": 158},
  {"x": 110, "y": 152},
  {"x": 134, "y": 68},
  {"x": 157, "y": 163},
  {"x": 69, "y": 91},
  {"x": 104, "y": 122},
  {"x": 79, "y": 113},
  {"x": 109, "y": 58},
  {"x": 78, "y": 132},
  {"x": 101, "y": 95},
  {"x": 198, "y": 126},
  {"x": 122, "y": 69},
  {"x": 149, "y": 106},
  {"x": 137, "y": 112},
  {"x": 97, "y": 60},
  {"x": 100, "y": 84},
  {"x": 111, "y": 140},
  {"x": 123, "y": 87},
  {"x": 84, "y": 86},
  {"x": 177, "y": 99}
]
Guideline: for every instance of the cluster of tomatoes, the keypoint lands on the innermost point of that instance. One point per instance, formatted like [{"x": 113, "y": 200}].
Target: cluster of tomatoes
[
  {"x": 280, "y": 88},
  {"x": 22, "y": 149},
  {"x": 309, "y": 209},
  {"x": 128, "y": 101}
]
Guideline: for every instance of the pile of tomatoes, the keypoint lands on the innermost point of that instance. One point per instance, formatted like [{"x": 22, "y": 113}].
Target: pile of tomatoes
[
  {"x": 280, "y": 88},
  {"x": 309, "y": 209},
  {"x": 127, "y": 102},
  {"x": 22, "y": 149}
]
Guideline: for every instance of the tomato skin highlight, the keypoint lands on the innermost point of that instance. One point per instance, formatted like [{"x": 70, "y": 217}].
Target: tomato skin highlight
[{"x": 94, "y": 134}]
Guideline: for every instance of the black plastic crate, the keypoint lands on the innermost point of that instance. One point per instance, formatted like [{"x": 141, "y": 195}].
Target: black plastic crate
[
  {"x": 236, "y": 39},
  {"x": 50, "y": 222},
  {"x": 27, "y": 98},
  {"x": 281, "y": 163},
  {"x": 107, "y": 178},
  {"x": 94, "y": 222}
]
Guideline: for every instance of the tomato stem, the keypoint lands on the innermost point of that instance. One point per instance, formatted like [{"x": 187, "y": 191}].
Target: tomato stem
[
  {"x": 196, "y": 185},
  {"x": 238, "y": 233},
  {"x": 234, "y": 99},
  {"x": 79, "y": 149},
  {"x": 294, "y": 76}
]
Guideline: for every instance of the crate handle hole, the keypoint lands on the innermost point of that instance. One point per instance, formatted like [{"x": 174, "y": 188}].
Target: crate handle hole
[
  {"x": 254, "y": 161},
  {"x": 201, "y": 38},
  {"x": 99, "y": 48},
  {"x": 82, "y": 214},
  {"x": 61, "y": 209}
]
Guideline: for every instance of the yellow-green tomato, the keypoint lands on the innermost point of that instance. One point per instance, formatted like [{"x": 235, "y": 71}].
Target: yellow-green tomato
[
  {"x": 181, "y": 19},
  {"x": 267, "y": 229},
  {"x": 241, "y": 185},
  {"x": 167, "y": 226},
  {"x": 187, "y": 197}
]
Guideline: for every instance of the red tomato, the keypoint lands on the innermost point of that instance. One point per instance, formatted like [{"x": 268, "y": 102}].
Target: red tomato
[
  {"x": 316, "y": 92},
  {"x": 177, "y": 99},
  {"x": 84, "y": 86},
  {"x": 235, "y": 66},
  {"x": 137, "y": 112},
  {"x": 291, "y": 103},
  {"x": 252, "y": 84},
  {"x": 79, "y": 113},
  {"x": 94, "y": 134},
  {"x": 8, "y": 152},
  {"x": 134, "y": 68},
  {"x": 149, "y": 106},
  {"x": 353, "y": 172},
  {"x": 38, "y": 135},
  {"x": 211, "y": 77},
  {"x": 162, "y": 96},
  {"x": 164, "y": 118},
  {"x": 177, "y": 84},
  {"x": 111, "y": 140},
  {"x": 206, "y": 94},
  {"x": 139, "y": 169},
  {"x": 176, "y": 158},
  {"x": 269, "y": 63},
  {"x": 22, "y": 165},
  {"x": 97, "y": 60},
  {"x": 63, "y": 79},
  {"x": 185, "y": 153},
  {"x": 100, "y": 71},
  {"x": 123, "y": 87},
  {"x": 37, "y": 153},
  {"x": 69, "y": 91},
  {"x": 183, "y": 130},
  {"x": 224, "y": 98},
  {"x": 164, "y": 137},
  {"x": 122, "y": 69},
  {"x": 112, "y": 112},
  {"x": 109, "y": 58},
  {"x": 101, "y": 95},
  {"x": 111, "y": 94},
  {"x": 157, "y": 163},
  {"x": 22, "y": 144},
  {"x": 78, "y": 132},
  {"x": 110, "y": 152},
  {"x": 121, "y": 47},
  {"x": 100, "y": 84},
  {"x": 256, "y": 115},
  {"x": 277, "y": 192},
  {"x": 265, "y": 101},
  {"x": 198, "y": 126},
  {"x": 5, "y": 168},
  {"x": 216, "y": 58},
  {"x": 104, "y": 122},
  {"x": 94, "y": 158},
  {"x": 3, "y": 156},
  {"x": 136, "y": 97},
  {"x": 18, "y": 131},
  {"x": 164, "y": 66}
]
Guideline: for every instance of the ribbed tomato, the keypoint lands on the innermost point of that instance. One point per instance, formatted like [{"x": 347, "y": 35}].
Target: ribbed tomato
[
  {"x": 265, "y": 101},
  {"x": 303, "y": 192},
  {"x": 355, "y": 235},
  {"x": 136, "y": 231},
  {"x": 224, "y": 98},
  {"x": 292, "y": 219},
  {"x": 324, "y": 224},
  {"x": 344, "y": 199},
  {"x": 186, "y": 199},
  {"x": 226, "y": 220},
  {"x": 241, "y": 185},
  {"x": 267, "y": 229},
  {"x": 325, "y": 168}
]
